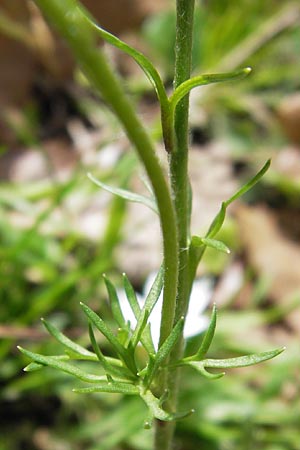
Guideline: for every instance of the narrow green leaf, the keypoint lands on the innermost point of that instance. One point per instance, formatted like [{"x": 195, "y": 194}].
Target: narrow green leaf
[
  {"x": 220, "y": 217},
  {"x": 184, "y": 88},
  {"x": 113, "y": 387},
  {"x": 110, "y": 369},
  {"x": 217, "y": 222},
  {"x": 95, "y": 346},
  {"x": 208, "y": 337},
  {"x": 140, "y": 326},
  {"x": 250, "y": 184},
  {"x": 146, "y": 338},
  {"x": 155, "y": 291},
  {"x": 131, "y": 296},
  {"x": 152, "y": 75},
  {"x": 114, "y": 303},
  {"x": 125, "y": 194},
  {"x": 230, "y": 363},
  {"x": 105, "y": 330},
  {"x": 62, "y": 366},
  {"x": 148, "y": 306},
  {"x": 164, "y": 351},
  {"x": 242, "y": 361},
  {"x": 35, "y": 366},
  {"x": 208, "y": 242},
  {"x": 32, "y": 367},
  {"x": 66, "y": 342},
  {"x": 140, "y": 59}
]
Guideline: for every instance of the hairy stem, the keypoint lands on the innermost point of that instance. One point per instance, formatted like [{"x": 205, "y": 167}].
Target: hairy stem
[
  {"x": 69, "y": 20},
  {"x": 180, "y": 190}
]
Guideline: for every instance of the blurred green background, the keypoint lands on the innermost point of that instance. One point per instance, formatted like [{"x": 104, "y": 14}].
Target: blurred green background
[{"x": 59, "y": 232}]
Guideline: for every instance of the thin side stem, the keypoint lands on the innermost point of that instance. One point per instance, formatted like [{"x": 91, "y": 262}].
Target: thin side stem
[
  {"x": 70, "y": 21},
  {"x": 181, "y": 196}
]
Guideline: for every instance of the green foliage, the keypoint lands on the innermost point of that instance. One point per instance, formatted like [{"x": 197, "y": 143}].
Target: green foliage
[
  {"x": 153, "y": 378},
  {"x": 123, "y": 375}
]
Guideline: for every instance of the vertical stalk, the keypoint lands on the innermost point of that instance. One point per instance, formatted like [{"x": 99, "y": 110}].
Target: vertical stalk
[
  {"x": 69, "y": 20},
  {"x": 180, "y": 186},
  {"x": 179, "y": 157}
]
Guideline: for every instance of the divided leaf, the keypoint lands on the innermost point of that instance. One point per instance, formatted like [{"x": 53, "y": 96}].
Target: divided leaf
[
  {"x": 229, "y": 363},
  {"x": 154, "y": 405}
]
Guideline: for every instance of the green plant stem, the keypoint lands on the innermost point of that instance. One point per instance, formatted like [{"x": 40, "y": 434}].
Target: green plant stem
[
  {"x": 70, "y": 21},
  {"x": 181, "y": 194}
]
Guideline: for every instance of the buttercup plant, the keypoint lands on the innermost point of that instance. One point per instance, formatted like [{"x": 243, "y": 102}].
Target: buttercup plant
[{"x": 170, "y": 197}]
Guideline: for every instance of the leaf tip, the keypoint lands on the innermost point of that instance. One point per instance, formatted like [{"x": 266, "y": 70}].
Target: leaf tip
[
  {"x": 147, "y": 425},
  {"x": 281, "y": 349}
]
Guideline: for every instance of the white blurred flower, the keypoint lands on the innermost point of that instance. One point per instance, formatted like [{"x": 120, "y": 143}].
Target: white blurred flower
[{"x": 195, "y": 322}]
